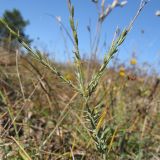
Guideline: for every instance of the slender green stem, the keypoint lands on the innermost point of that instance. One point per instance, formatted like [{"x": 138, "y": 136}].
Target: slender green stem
[{"x": 77, "y": 58}]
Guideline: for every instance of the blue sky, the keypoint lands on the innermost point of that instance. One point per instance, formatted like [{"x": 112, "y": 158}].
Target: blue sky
[{"x": 47, "y": 36}]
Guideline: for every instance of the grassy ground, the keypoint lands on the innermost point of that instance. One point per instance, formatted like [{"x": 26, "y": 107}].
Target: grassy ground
[{"x": 42, "y": 118}]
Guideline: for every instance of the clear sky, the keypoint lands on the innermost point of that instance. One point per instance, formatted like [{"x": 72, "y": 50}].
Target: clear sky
[{"x": 46, "y": 33}]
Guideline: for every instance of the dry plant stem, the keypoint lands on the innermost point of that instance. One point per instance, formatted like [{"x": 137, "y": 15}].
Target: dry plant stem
[
  {"x": 65, "y": 45},
  {"x": 18, "y": 74},
  {"x": 144, "y": 127},
  {"x": 63, "y": 28},
  {"x": 109, "y": 8},
  {"x": 97, "y": 39},
  {"x": 23, "y": 153}
]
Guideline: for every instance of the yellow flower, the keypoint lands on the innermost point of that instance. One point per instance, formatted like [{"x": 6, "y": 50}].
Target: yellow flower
[
  {"x": 122, "y": 74},
  {"x": 133, "y": 61},
  {"x": 122, "y": 71}
]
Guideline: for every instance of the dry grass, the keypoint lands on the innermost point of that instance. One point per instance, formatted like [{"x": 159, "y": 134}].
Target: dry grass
[{"x": 131, "y": 107}]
